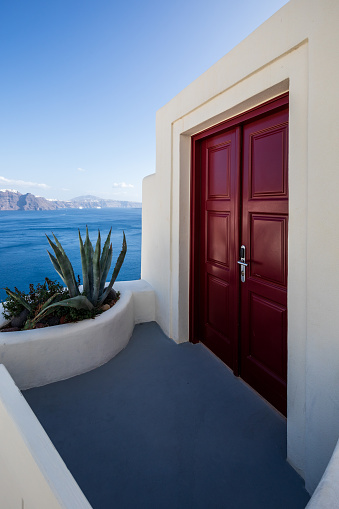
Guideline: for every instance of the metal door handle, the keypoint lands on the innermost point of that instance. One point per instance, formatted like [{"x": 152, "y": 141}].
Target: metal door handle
[{"x": 242, "y": 263}]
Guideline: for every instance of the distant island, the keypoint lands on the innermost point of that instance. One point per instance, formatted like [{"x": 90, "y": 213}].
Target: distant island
[{"x": 13, "y": 200}]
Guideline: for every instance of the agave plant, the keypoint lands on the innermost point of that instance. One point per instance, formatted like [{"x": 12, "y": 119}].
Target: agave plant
[{"x": 95, "y": 268}]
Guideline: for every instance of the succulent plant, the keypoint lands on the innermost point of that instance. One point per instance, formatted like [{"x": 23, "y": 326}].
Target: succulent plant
[{"x": 95, "y": 268}]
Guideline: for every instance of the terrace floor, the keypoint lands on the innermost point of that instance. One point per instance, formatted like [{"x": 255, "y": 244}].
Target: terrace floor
[{"x": 168, "y": 426}]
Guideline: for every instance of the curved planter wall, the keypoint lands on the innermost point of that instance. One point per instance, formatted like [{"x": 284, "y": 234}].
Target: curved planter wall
[{"x": 41, "y": 356}]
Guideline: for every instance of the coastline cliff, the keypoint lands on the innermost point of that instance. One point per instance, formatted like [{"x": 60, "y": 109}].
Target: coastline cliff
[{"x": 13, "y": 200}]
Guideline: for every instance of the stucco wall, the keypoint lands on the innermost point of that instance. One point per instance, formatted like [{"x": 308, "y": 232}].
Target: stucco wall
[
  {"x": 32, "y": 474},
  {"x": 297, "y": 51},
  {"x": 326, "y": 496}
]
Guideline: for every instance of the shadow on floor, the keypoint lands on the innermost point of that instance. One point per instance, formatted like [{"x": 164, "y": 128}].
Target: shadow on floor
[{"x": 168, "y": 426}]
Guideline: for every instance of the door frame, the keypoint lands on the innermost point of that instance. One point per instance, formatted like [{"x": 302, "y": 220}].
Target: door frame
[{"x": 270, "y": 106}]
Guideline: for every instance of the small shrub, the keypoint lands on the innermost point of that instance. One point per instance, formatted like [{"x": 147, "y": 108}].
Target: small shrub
[{"x": 36, "y": 297}]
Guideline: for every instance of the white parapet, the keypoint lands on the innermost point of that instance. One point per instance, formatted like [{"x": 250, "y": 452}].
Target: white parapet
[
  {"x": 143, "y": 299},
  {"x": 32, "y": 474},
  {"x": 41, "y": 356}
]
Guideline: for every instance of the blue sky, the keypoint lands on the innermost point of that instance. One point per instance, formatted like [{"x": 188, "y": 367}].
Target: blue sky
[{"x": 81, "y": 82}]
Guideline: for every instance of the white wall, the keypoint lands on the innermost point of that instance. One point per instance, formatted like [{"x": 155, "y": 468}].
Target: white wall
[
  {"x": 326, "y": 496},
  {"x": 32, "y": 474},
  {"x": 295, "y": 50}
]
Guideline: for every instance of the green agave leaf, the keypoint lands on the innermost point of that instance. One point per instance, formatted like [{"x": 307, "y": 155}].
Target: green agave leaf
[
  {"x": 105, "y": 262},
  {"x": 120, "y": 259},
  {"x": 67, "y": 270},
  {"x": 85, "y": 278},
  {"x": 106, "y": 270},
  {"x": 65, "y": 266},
  {"x": 78, "y": 302},
  {"x": 89, "y": 258},
  {"x": 18, "y": 297},
  {"x": 54, "y": 247},
  {"x": 50, "y": 300},
  {"x": 59, "y": 259},
  {"x": 45, "y": 309},
  {"x": 56, "y": 266},
  {"x": 96, "y": 270},
  {"x": 105, "y": 251},
  {"x": 117, "y": 268}
]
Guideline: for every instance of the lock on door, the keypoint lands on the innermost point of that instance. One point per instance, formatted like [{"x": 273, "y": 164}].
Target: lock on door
[{"x": 242, "y": 263}]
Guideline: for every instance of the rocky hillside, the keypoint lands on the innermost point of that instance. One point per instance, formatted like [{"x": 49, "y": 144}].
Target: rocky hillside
[
  {"x": 89, "y": 202},
  {"x": 13, "y": 200}
]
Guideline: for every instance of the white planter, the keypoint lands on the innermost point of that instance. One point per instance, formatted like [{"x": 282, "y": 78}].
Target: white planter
[{"x": 41, "y": 356}]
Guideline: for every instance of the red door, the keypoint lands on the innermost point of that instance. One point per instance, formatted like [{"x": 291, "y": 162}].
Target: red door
[
  {"x": 219, "y": 227},
  {"x": 240, "y": 198}
]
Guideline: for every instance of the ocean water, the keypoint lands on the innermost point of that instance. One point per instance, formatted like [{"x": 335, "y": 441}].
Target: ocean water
[{"x": 23, "y": 244}]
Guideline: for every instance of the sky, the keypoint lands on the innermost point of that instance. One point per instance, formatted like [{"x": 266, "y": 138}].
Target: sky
[{"x": 81, "y": 81}]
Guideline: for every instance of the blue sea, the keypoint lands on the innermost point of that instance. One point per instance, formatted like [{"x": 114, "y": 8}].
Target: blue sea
[{"x": 23, "y": 244}]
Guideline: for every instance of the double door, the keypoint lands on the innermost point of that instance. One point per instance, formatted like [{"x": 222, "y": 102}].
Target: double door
[{"x": 240, "y": 225}]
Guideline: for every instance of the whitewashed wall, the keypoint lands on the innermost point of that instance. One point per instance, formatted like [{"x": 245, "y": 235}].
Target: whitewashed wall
[
  {"x": 32, "y": 474},
  {"x": 296, "y": 50}
]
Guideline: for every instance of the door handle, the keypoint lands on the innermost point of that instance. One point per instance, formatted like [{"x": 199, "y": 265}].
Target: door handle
[{"x": 242, "y": 263}]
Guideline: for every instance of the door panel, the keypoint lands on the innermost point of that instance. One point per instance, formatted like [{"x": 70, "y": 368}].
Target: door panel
[
  {"x": 264, "y": 226},
  {"x": 241, "y": 194},
  {"x": 268, "y": 248},
  {"x": 217, "y": 302},
  {"x": 219, "y": 227},
  {"x": 266, "y": 316},
  {"x": 269, "y": 171}
]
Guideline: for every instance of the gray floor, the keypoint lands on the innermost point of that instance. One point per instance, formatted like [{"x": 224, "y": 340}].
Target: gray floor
[{"x": 167, "y": 426}]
